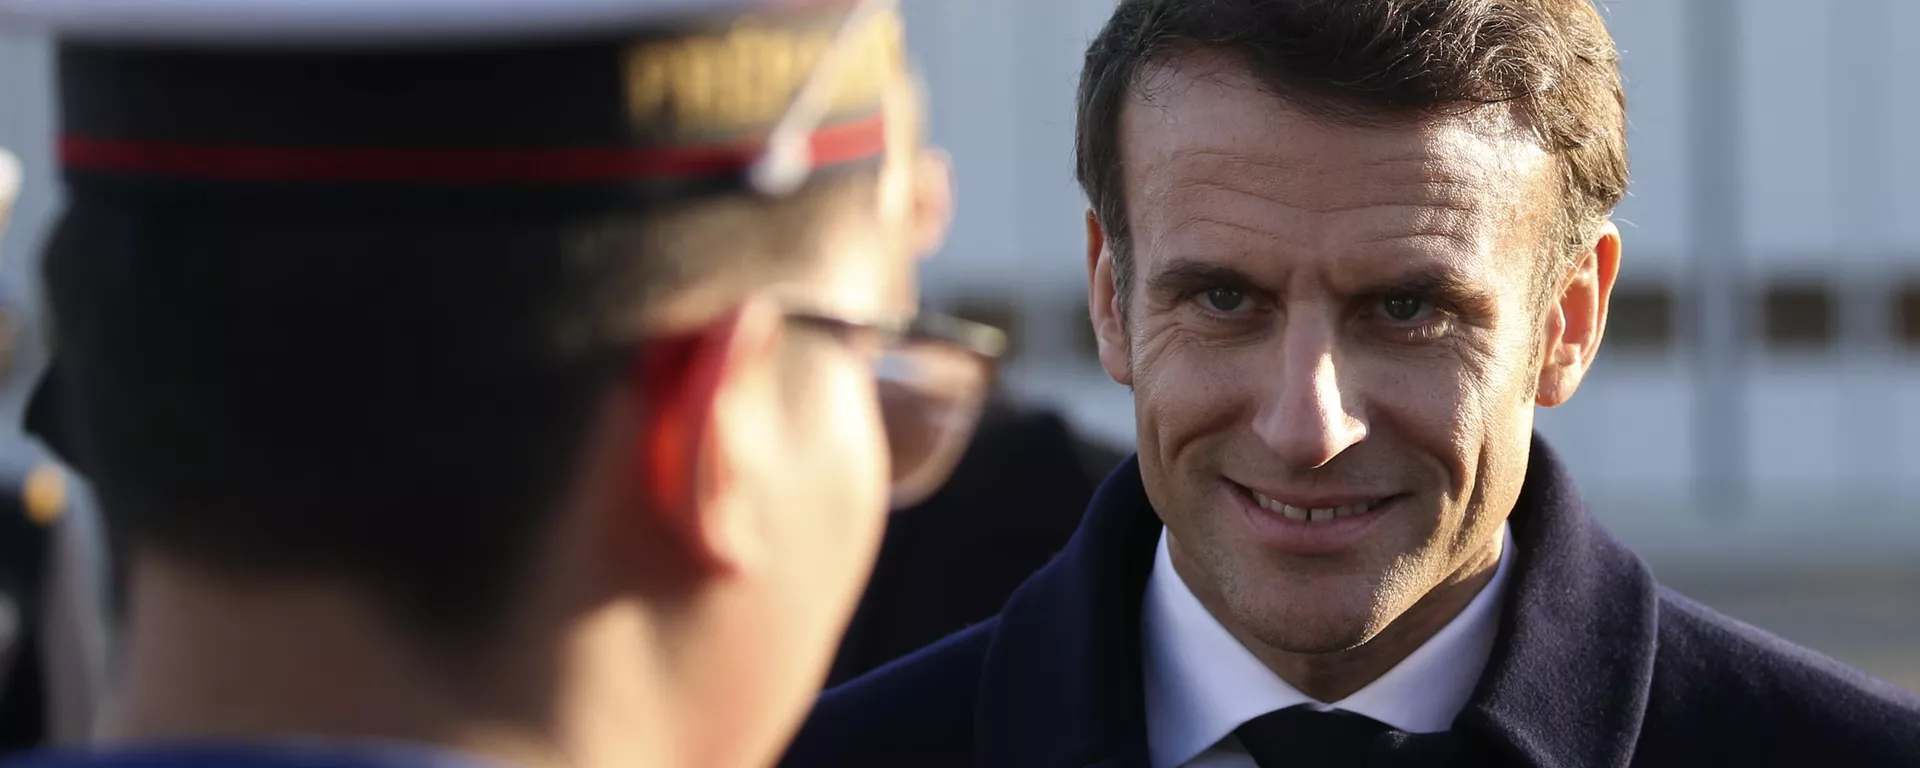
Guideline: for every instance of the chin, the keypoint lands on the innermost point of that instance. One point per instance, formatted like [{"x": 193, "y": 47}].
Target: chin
[
  {"x": 1319, "y": 619},
  {"x": 1334, "y": 634}
]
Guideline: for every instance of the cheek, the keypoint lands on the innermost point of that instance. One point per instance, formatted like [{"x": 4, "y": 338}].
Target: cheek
[
  {"x": 1455, "y": 408},
  {"x": 1186, "y": 392},
  {"x": 839, "y": 455},
  {"x": 1505, "y": 405},
  {"x": 1432, "y": 399},
  {"x": 852, "y": 415}
]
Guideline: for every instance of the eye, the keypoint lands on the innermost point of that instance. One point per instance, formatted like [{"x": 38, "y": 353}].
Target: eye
[
  {"x": 1224, "y": 299},
  {"x": 1406, "y": 309}
]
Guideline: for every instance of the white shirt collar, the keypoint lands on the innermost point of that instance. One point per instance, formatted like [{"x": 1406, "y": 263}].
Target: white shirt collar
[{"x": 1201, "y": 683}]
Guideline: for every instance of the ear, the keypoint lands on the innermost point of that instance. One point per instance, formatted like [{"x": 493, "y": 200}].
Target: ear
[
  {"x": 689, "y": 388},
  {"x": 1103, "y": 305},
  {"x": 932, "y": 200},
  {"x": 1577, "y": 319}
]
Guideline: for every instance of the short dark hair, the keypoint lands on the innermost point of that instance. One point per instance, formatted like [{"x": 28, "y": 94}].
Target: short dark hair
[
  {"x": 391, "y": 398},
  {"x": 1361, "y": 59}
]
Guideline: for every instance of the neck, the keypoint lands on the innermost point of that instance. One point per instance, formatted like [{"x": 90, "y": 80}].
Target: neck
[{"x": 208, "y": 660}]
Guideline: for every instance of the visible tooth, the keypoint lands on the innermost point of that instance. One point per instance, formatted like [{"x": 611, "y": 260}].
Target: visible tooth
[
  {"x": 1322, "y": 515},
  {"x": 1351, "y": 510},
  {"x": 1294, "y": 513},
  {"x": 1266, "y": 503}
]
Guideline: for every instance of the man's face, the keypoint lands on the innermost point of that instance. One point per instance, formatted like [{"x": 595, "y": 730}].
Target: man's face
[{"x": 1334, "y": 338}]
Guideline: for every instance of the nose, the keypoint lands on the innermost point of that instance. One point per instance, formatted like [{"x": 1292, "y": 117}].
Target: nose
[{"x": 1305, "y": 417}]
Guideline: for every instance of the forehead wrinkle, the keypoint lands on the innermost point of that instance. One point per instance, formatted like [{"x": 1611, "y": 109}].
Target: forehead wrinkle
[
  {"x": 1416, "y": 237},
  {"x": 1193, "y": 173},
  {"x": 1426, "y": 226},
  {"x": 1181, "y": 212},
  {"x": 1205, "y": 155},
  {"x": 1219, "y": 150},
  {"x": 1189, "y": 222}
]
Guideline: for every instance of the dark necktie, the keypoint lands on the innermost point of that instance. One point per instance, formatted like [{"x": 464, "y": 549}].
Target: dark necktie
[{"x": 1302, "y": 737}]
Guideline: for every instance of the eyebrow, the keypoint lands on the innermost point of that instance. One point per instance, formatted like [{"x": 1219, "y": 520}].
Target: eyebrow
[
  {"x": 1429, "y": 281},
  {"x": 1439, "y": 282},
  {"x": 1182, "y": 277}
]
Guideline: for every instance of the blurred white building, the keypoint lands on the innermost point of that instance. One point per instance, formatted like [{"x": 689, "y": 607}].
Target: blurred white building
[{"x": 1826, "y": 417}]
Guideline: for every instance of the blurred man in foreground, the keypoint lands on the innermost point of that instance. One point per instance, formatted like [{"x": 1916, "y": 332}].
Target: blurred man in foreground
[
  {"x": 466, "y": 383},
  {"x": 1342, "y": 250}
]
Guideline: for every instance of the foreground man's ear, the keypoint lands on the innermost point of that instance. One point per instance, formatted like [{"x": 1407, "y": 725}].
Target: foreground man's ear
[
  {"x": 1576, "y": 319},
  {"x": 693, "y": 391},
  {"x": 1103, "y": 304}
]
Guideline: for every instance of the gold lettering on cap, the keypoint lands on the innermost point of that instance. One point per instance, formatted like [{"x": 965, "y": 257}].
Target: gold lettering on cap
[{"x": 745, "y": 77}]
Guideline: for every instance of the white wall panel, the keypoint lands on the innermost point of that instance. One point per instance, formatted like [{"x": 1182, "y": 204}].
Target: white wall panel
[{"x": 1653, "y": 221}]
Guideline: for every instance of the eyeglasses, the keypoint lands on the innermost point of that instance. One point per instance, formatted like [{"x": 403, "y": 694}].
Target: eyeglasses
[{"x": 933, "y": 376}]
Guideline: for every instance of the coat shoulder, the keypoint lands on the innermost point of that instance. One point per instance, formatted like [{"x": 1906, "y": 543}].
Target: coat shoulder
[
  {"x": 918, "y": 710},
  {"x": 1721, "y": 684}
]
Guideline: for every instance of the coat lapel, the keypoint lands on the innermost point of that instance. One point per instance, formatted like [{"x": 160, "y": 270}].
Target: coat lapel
[
  {"x": 1567, "y": 684},
  {"x": 1569, "y": 679},
  {"x": 1061, "y": 683}
]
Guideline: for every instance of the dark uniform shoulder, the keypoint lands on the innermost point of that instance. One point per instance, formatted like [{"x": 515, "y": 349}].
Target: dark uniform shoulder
[
  {"x": 916, "y": 711},
  {"x": 1727, "y": 693}
]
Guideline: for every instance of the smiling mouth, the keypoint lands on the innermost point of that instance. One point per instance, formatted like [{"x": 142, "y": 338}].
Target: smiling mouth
[{"x": 1313, "y": 514}]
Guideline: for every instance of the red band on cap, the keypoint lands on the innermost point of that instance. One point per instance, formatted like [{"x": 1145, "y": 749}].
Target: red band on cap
[{"x": 832, "y": 145}]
